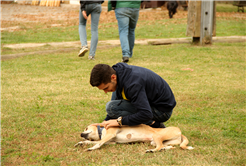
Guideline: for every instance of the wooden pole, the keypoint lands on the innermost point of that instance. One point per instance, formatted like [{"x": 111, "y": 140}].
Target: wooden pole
[
  {"x": 207, "y": 13},
  {"x": 194, "y": 20},
  {"x": 197, "y": 21}
]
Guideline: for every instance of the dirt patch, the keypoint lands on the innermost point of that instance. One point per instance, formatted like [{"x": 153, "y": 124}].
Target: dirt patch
[
  {"x": 67, "y": 15},
  {"x": 28, "y": 13}
]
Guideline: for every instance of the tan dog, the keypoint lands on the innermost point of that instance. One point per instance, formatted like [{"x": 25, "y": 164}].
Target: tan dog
[{"x": 162, "y": 138}]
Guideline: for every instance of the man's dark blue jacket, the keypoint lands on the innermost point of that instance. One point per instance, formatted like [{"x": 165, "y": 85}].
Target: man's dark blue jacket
[{"x": 144, "y": 89}]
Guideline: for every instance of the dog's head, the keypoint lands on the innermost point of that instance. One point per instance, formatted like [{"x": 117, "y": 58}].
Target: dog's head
[{"x": 91, "y": 133}]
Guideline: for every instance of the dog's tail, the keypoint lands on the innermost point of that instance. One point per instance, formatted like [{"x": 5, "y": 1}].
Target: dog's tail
[{"x": 184, "y": 143}]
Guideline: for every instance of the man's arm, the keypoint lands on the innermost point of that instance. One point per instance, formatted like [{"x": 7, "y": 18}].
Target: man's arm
[{"x": 107, "y": 124}]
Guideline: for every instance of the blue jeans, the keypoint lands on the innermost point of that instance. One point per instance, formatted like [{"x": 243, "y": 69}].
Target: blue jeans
[
  {"x": 117, "y": 108},
  {"x": 127, "y": 20},
  {"x": 94, "y": 10}
]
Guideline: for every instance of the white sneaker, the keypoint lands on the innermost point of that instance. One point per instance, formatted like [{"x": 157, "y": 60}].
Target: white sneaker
[
  {"x": 83, "y": 51},
  {"x": 91, "y": 57}
]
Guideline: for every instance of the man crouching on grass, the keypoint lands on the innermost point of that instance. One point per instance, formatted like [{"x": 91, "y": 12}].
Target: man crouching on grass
[{"x": 140, "y": 96}]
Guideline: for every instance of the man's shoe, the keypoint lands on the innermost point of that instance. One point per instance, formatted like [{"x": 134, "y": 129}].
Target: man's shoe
[
  {"x": 125, "y": 59},
  {"x": 162, "y": 125},
  {"x": 156, "y": 124},
  {"x": 83, "y": 51},
  {"x": 91, "y": 57}
]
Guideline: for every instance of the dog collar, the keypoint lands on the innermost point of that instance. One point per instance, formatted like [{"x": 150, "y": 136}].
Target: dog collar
[{"x": 99, "y": 130}]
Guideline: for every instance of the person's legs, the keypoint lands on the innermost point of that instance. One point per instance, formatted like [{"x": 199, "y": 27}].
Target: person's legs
[
  {"x": 132, "y": 27},
  {"x": 123, "y": 26},
  {"x": 82, "y": 35},
  {"x": 82, "y": 29},
  {"x": 161, "y": 116},
  {"x": 95, "y": 15},
  {"x": 117, "y": 108}
]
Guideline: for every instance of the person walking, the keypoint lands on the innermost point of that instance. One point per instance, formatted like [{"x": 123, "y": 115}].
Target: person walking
[
  {"x": 94, "y": 9},
  {"x": 126, "y": 13}
]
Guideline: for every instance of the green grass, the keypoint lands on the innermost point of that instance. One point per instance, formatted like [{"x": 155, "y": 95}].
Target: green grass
[
  {"x": 145, "y": 30},
  {"x": 222, "y": 7},
  {"x": 46, "y": 102}
]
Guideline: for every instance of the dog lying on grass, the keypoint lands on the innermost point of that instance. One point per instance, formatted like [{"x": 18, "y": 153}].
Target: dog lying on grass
[{"x": 162, "y": 138}]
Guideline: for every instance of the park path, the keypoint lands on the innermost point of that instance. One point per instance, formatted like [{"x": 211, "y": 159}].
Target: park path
[{"x": 73, "y": 46}]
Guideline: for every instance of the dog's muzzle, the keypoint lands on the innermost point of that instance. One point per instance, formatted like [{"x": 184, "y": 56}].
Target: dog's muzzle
[
  {"x": 84, "y": 135},
  {"x": 99, "y": 130}
]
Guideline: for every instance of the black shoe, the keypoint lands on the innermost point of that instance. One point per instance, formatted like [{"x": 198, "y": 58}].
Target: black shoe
[
  {"x": 162, "y": 125},
  {"x": 158, "y": 125},
  {"x": 125, "y": 59}
]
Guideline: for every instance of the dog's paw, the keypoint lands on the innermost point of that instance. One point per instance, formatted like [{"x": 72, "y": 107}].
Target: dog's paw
[
  {"x": 149, "y": 151},
  {"x": 152, "y": 143},
  {"x": 167, "y": 148},
  {"x": 190, "y": 148},
  {"x": 97, "y": 146},
  {"x": 78, "y": 144},
  {"x": 89, "y": 149}
]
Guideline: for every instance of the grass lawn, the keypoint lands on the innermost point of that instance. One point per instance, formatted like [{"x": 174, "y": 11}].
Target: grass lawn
[{"x": 47, "y": 101}]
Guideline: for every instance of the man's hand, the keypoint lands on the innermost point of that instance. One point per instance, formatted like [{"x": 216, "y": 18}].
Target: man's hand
[
  {"x": 110, "y": 123},
  {"x": 107, "y": 124},
  {"x": 84, "y": 14}
]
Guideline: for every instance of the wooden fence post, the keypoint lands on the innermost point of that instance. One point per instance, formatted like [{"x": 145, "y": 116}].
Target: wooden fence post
[
  {"x": 201, "y": 21},
  {"x": 207, "y": 22}
]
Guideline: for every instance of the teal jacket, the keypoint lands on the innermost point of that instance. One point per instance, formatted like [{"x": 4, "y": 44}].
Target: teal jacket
[{"x": 128, "y": 4}]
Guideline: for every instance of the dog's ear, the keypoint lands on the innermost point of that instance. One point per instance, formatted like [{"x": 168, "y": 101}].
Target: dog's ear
[{"x": 87, "y": 132}]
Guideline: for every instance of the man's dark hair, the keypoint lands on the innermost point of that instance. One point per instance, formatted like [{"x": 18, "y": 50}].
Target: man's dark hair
[{"x": 101, "y": 73}]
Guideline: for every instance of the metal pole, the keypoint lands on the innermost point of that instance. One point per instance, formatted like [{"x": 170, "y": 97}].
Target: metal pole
[{"x": 207, "y": 9}]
